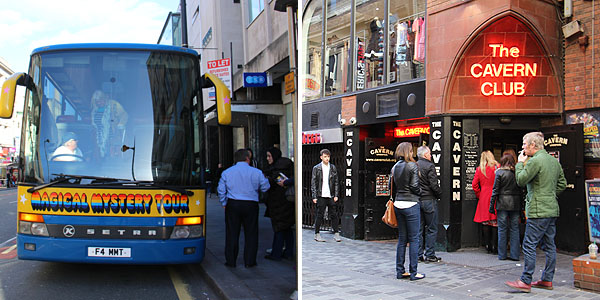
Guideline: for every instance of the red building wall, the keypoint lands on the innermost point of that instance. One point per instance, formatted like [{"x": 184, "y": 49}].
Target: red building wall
[
  {"x": 579, "y": 73},
  {"x": 452, "y": 25}
]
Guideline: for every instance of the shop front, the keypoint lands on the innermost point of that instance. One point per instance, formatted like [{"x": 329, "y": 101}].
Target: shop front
[
  {"x": 364, "y": 72},
  {"x": 484, "y": 93}
]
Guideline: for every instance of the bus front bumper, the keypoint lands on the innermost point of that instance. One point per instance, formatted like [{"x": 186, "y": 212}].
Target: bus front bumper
[{"x": 173, "y": 251}]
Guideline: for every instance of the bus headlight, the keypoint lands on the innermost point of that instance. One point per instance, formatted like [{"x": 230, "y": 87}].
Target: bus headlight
[
  {"x": 39, "y": 229},
  {"x": 33, "y": 228},
  {"x": 24, "y": 227},
  {"x": 180, "y": 232},
  {"x": 187, "y": 232}
]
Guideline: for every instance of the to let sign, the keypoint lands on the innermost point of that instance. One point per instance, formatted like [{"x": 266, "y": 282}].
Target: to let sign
[{"x": 222, "y": 69}]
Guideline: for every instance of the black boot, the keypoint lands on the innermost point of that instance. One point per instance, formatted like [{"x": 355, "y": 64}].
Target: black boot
[
  {"x": 485, "y": 230},
  {"x": 494, "y": 240}
]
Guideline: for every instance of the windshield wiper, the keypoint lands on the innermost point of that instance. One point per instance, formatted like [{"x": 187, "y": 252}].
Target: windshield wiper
[
  {"x": 148, "y": 183},
  {"x": 65, "y": 177}
]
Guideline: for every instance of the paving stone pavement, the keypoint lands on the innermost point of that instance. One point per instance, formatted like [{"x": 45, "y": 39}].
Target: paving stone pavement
[{"x": 357, "y": 269}]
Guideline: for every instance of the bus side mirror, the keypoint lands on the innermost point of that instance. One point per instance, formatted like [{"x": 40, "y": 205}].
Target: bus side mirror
[
  {"x": 223, "y": 97},
  {"x": 7, "y": 95}
]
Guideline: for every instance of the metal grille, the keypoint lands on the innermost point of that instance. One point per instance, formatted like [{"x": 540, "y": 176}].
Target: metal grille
[
  {"x": 314, "y": 120},
  {"x": 310, "y": 157}
]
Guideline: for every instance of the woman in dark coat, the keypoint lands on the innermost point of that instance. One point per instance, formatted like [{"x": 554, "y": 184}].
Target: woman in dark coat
[
  {"x": 280, "y": 209},
  {"x": 506, "y": 200},
  {"x": 408, "y": 212}
]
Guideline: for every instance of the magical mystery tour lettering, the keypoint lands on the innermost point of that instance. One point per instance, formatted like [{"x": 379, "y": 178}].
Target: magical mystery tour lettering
[{"x": 110, "y": 203}]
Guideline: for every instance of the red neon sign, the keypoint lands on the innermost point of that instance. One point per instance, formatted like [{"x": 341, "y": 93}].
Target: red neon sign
[
  {"x": 503, "y": 71},
  {"x": 410, "y": 131},
  {"x": 311, "y": 138}
]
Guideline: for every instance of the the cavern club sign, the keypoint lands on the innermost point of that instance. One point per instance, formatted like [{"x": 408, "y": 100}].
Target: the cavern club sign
[
  {"x": 516, "y": 72},
  {"x": 410, "y": 131}
]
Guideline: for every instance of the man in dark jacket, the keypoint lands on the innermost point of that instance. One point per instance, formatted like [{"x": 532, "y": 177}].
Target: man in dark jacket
[
  {"x": 430, "y": 193},
  {"x": 325, "y": 192}
]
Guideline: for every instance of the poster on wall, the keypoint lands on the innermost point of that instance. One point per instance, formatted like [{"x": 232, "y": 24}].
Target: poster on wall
[
  {"x": 592, "y": 195},
  {"x": 471, "y": 154},
  {"x": 591, "y": 138}
]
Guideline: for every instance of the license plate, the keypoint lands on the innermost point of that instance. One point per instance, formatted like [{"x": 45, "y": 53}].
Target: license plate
[{"x": 109, "y": 252}]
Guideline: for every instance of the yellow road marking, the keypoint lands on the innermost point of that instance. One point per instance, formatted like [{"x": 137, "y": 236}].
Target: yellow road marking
[
  {"x": 11, "y": 248},
  {"x": 180, "y": 287}
]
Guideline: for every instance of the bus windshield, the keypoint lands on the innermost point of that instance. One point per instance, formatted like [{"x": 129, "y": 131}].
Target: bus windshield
[{"x": 127, "y": 114}]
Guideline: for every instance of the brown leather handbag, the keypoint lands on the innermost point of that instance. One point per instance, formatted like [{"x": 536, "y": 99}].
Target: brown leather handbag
[{"x": 389, "y": 217}]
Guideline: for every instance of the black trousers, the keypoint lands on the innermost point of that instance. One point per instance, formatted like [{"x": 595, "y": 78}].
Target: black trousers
[
  {"x": 322, "y": 203},
  {"x": 240, "y": 213}
]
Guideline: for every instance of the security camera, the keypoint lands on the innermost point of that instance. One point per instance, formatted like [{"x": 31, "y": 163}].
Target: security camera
[
  {"x": 352, "y": 121},
  {"x": 342, "y": 121}
]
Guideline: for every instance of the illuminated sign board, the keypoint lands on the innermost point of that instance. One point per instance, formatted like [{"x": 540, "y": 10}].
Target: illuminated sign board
[
  {"x": 503, "y": 70},
  {"x": 410, "y": 131},
  {"x": 255, "y": 79},
  {"x": 311, "y": 138}
]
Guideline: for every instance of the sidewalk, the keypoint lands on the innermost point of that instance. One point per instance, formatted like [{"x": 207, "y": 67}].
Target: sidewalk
[
  {"x": 268, "y": 280},
  {"x": 357, "y": 269}
]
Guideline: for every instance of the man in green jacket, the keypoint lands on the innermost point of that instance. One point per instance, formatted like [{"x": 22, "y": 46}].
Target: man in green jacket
[{"x": 545, "y": 180}]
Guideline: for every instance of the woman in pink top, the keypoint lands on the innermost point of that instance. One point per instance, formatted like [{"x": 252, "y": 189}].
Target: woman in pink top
[{"x": 483, "y": 183}]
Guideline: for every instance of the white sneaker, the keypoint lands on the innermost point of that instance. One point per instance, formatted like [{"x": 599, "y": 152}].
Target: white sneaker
[
  {"x": 318, "y": 237},
  {"x": 336, "y": 237}
]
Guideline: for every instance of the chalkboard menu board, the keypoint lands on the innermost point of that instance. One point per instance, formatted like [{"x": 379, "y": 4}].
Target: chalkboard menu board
[
  {"x": 471, "y": 154},
  {"x": 592, "y": 195}
]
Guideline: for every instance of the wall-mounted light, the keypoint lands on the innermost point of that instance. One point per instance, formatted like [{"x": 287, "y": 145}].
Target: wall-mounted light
[
  {"x": 505, "y": 120},
  {"x": 572, "y": 28}
]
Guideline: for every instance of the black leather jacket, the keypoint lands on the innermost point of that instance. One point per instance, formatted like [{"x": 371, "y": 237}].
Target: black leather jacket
[
  {"x": 428, "y": 180},
  {"x": 506, "y": 195},
  {"x": 406, "y": 181},
  {"x": 317, "y": 181}
]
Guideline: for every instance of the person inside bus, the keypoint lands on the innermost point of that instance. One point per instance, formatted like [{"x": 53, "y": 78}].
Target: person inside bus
[
  {"x": 68, "y": 151},
  {"x": 109, "y": 118}
]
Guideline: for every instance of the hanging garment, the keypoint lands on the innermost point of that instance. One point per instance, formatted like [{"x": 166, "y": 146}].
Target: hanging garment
[
  {"x": 401, "y": 42},
  {"x": 419, "y": 28}
]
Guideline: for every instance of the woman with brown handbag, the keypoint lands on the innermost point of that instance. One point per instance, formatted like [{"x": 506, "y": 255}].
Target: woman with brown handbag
[{"x": 406, "y": 179}]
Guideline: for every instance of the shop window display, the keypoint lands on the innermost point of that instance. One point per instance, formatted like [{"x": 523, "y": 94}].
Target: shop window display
[
  {"x": 369, "y": 44},
  {"x": 386, "y": 46},
  {"x": 406, "y": 40},
  {"x": 337, "y": 47},
  {"x": 312, "y": 31}
]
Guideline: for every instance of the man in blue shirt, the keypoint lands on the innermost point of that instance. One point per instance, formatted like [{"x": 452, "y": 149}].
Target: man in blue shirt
[{"x": 238, "y": 193}]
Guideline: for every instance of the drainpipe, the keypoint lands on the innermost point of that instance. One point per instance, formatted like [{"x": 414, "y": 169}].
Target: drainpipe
[{"x": 184, "y": 34}]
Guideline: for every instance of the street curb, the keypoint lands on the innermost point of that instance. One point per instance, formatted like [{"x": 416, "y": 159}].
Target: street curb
[{"x": 221, "y": 279}]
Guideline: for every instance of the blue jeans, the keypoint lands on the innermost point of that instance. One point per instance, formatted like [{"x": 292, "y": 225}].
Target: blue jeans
[
  {"x": 428, "y": 224},
  {"x": 508, "y": 223},
  {"x": 281, "y": 239},
  {"x": 408, "y": 232},
  {"x": 539, "y": 231}
]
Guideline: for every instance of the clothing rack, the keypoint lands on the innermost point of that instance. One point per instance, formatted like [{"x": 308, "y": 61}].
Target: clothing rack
[{"x": 411, "y": 17}]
